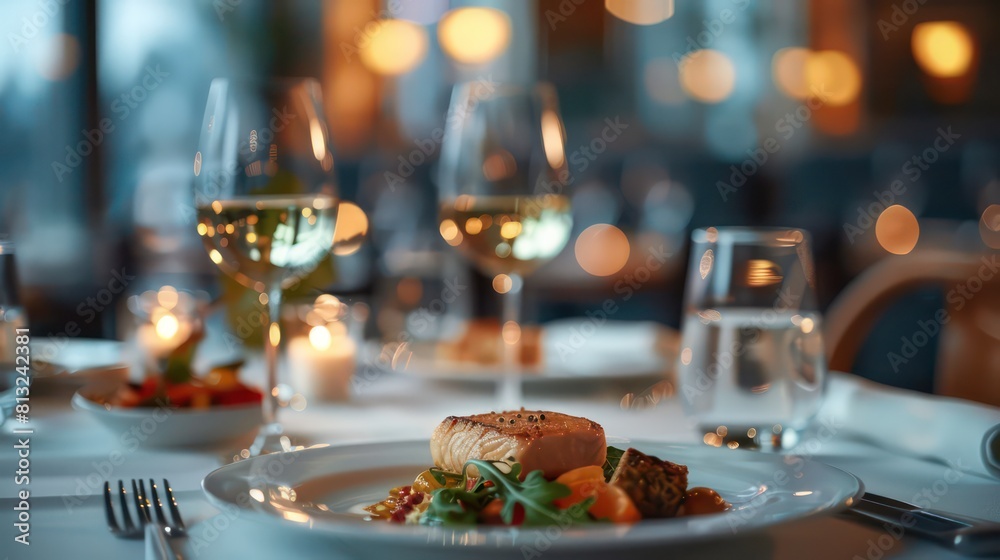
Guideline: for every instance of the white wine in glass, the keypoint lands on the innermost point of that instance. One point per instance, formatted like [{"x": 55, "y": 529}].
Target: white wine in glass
[
  {"x": 508, "y": 234},
  {"x": 502, "y": 189},
  {"x": 270, "y": 240},
  {"x": 266, "y": 201}
]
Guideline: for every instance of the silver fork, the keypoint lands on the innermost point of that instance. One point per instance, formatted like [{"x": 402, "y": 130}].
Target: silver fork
[{"x": 156, "y": 533}]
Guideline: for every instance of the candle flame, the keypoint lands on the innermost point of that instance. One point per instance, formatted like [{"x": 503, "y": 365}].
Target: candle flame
[
  {"x": 167, "y": 326},
  {"x": 320, "y": 338}
]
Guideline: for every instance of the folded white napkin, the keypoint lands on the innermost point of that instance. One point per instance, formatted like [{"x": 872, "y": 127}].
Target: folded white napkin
[{"x": 960, "y": 433}]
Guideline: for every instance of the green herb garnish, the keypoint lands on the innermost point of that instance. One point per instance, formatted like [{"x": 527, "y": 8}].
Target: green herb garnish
[
  {"x": 535, "y": 495},
  {"x": 611, "y": 463}
]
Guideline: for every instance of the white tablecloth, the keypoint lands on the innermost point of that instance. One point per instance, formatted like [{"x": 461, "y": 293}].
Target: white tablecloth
[{"x": 70, "y": 459}]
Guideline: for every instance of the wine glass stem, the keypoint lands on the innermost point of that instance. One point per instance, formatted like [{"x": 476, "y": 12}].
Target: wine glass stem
[
  {"x": 509, "y": 392},
  {"x": 272, "y": 338}
]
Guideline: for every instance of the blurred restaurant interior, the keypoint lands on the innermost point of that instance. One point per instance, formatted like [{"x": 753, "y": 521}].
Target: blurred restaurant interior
[
  {"x": 732, "y": 207},
  {"x": 666, "y": 109}
]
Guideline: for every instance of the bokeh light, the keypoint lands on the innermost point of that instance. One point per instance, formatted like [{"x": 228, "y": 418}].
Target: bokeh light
[
  {"x": 167, "y": 326},
  {"x": 833, "y": 76},
  {"x": 474, "y": 35},
  {"x": 640, "y": 12},
  {"x": 989, "y": 226},
  {"x": 502, "y": 283},
  {"x": 450, "y": 232},
  {"x": 394, "y": 46},
  {"x": 553, "y": 139},
  {"x": 707, "y": 75},
  {"x": 897, "y": 230},
  {"x": 320, "y": 338},
  {"x": 762, "y": 272},
  {"x": 943, "y": 49},
  {"x": 511, "y": 332},
  {"x": 602, "y": 250},
  {"x": 788, "y": 69},
  {"x": 351, "y": 229}
]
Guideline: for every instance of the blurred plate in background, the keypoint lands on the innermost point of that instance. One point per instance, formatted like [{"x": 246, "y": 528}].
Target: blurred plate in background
[{"x": 568, "y": 350}]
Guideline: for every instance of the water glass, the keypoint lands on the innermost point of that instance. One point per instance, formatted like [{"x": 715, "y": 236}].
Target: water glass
[{"x": 752, "y": 368}]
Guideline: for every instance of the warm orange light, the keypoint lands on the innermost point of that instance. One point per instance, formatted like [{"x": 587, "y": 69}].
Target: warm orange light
[
  {"x": 510, "y": 230},
  {"x": 511, "y": 332},
  {"x": 897, "y": 230},
  {"x": 833, "y": 76},
  {"x": 473, "y": 226},
  {"x": 167, "y": 326},
  {"x": 942, "y": 48},
  {"x": 989, "y": 226},
  {"x": 552, "y": 139},
  {"x": 499, "y": 165},
  {"x": 788, "y": 70},
  {"x": 762, "y": 272},
  {"x": 602, "y": 250},
  {"x": 450, "y": 233},
  {"x": 707, "y": 75},
  {"x": 502, "y": 283},
  {"x": 393, "y": 47},
  {"x": 474, "y": 35},
  {"x": 320, "y": 338},
  {"x": 705, "y": 265},
  {"x": 351, "y": 228},
  {"x": 640, "y": 12},
  {"x": 167, "y": 297}
]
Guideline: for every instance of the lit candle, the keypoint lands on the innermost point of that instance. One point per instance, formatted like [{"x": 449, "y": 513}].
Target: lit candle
[
  {"x": 162, "y": 334},
  {"x": 323, "y": 363}
]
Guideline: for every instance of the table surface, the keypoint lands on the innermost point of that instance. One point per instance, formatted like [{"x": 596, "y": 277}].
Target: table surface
[{"x": 70, "y": 455}]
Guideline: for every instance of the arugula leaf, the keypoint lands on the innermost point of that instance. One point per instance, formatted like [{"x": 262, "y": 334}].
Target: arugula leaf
[
  {"x": 611, "y": 463},
  {"x": 442, "y": 476},
  {"x": 535, "y": 495}
]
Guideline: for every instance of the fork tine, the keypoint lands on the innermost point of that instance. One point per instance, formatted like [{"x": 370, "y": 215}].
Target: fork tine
[
  {"x": 126, "y": 517},
  {"x": 157, "y": 506},
  {"x": 139, "y": 493},
  {"x": 172, "y": 504},
  {"x": 112, "y": 524}
]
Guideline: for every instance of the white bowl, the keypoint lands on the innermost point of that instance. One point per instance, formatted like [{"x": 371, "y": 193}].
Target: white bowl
[{"x": 167, "y": 427}]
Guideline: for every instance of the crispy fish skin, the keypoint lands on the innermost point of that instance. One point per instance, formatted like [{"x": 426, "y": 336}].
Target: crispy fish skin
[
  {"x": 540, "y": 440},
  {"x": 657, "y": 487}
]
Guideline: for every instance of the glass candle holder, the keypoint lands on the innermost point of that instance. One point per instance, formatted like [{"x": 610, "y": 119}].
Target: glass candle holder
[{"x": 322, "y": 349}]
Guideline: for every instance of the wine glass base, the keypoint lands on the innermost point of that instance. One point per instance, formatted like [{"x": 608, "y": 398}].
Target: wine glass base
[{"x": 270, "y": 438}]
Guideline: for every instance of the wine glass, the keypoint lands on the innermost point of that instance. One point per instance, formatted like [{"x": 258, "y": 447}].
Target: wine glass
[
  {"x": 266, "y": 200},
  {"x": 503, "y": 205},
  {"x": 752, "y": 367}
]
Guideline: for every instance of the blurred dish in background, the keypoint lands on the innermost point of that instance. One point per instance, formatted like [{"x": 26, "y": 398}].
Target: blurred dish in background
[
  {"x": 566, "y": 350},
  {"x": 163, "y": 426},
  {"x": 72, "y": 363}
]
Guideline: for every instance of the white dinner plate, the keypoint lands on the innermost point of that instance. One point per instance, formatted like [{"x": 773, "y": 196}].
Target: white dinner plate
[
  {"x": 322, "y": 490},
  {"x": 573, "y": 350}
]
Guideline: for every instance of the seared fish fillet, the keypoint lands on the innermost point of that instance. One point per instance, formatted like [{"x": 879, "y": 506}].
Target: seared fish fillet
[{"x": 540, "y": 440}]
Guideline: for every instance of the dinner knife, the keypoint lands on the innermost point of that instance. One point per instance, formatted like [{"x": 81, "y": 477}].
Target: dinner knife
[{"x": 968, "y": 536}]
